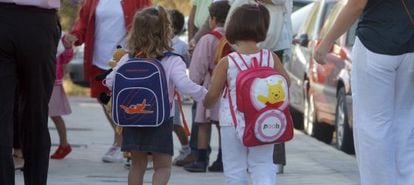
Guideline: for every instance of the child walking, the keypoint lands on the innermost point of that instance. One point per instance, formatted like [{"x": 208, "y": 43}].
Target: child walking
[
  {"x": 151, "y": 35},
  {"x": 181, "y": 48},
  {"x": 59, "y": 104},
  {"x": 201, "y": 67},
  {"x": 247, "y": 26}
]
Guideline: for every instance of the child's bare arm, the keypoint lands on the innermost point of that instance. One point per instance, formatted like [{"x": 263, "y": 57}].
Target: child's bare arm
[
  {"x": 217, "y": 83},
  {"x": 279, "y": 67}
]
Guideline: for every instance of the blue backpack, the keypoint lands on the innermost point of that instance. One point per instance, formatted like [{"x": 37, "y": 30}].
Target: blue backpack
[{"x": 140, "y": 94}]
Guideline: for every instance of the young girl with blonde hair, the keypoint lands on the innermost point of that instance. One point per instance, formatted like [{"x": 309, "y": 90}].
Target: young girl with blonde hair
[{"x": 151, "y": 36}]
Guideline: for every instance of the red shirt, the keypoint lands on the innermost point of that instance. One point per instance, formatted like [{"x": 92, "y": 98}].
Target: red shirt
[{"x": 84, "y": 27}]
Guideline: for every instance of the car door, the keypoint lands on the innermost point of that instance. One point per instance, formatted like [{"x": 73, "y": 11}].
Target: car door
[
  {"x": 296, "y": 68},
  {"x": 324, "y": 78},
  {"x": 302, "y": 49}
]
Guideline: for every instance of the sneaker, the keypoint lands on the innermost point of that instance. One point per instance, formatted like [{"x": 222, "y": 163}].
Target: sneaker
[
  {"x": 217, "y": 166},
  {"x": 186, "y": 160},
  {"x": 183, "y": 154},
  {"x": 196, "y": 166},
  {"x": 113, "y": 155},
  {"x": 61, "y": 152}
]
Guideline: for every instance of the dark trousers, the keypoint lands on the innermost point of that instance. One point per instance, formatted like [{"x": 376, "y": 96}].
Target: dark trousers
[
  {"x": 28, "y": 41},
  {"x": 279, "y": 152},
  {"x": 194, "y": 131}
]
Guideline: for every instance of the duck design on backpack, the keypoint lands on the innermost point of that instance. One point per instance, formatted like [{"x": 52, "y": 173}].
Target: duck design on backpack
[{"x": 262, "y": 98}]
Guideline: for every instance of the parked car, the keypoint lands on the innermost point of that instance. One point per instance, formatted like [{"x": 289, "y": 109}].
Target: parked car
[
  {"x": 321, "y": 94},
  {"x": 299, "y": 16},
  {"x": 302, "y": 49},
  {"x": 330, "y": 86},
  {"x": 75, "y": 68},
  {"x": 298, "y": 4}
]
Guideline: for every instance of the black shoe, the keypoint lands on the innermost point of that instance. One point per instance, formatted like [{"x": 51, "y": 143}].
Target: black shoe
[
  {"x": 196, "y": 166},
  {"x": 217, "y": 166}
]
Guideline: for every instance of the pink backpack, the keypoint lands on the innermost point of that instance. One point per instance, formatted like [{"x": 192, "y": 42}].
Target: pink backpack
[{"x": 262, "y": 97}]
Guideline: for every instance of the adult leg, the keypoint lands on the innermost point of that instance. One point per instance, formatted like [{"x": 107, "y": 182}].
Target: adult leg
[
  {"x": 137, "y": 170},
  {"x": 18, "y": 159},
  {"x": 373, "y": 86},
  {"x": 162, "y": 168},
  {"x": 8, "y": 81},
  {"x": 404, "y": 119},
  {"x": 234, "y": 157}
]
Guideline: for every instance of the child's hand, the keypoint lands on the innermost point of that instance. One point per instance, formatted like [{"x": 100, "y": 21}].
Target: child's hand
[
  {"x": 70, "y": 38},
  {"x": 191, "y": 45},
  {"x": 66, "y": 43}
]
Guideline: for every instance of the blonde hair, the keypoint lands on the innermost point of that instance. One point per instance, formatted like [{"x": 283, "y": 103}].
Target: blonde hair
[{"x": 151, "y": 33}]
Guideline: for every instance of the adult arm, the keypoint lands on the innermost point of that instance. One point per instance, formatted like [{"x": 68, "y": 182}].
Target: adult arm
[
  {"x": 77, "y": 35},
  {"x": 348, "y": 15}
]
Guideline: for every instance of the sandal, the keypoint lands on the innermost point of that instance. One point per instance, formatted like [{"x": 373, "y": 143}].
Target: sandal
[{"x": 61, "y": 152}]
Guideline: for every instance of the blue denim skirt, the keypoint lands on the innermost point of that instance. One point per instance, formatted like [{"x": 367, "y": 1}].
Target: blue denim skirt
[{"x": 149, "y": 139}]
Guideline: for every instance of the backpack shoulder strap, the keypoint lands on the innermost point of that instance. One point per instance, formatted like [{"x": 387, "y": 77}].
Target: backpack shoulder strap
[{"x": 216, "y": 34}]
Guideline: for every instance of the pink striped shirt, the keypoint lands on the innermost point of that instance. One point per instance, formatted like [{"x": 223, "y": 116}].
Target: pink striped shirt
[{"x": 48, "y": 4}]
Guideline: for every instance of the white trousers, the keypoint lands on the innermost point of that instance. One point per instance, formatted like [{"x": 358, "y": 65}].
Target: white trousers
[
  {"x": 383, "y": 109},
  {"x": 239, "y": 161}
]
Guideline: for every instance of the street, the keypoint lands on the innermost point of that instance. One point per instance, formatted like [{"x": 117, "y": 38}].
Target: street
[{"x": 309, "y": 162}]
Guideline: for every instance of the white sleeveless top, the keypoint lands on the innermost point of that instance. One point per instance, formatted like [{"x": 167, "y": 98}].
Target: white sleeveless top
[{"x": 263, "y": 55}]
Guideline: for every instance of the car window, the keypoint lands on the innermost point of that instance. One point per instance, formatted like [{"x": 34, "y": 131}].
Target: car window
[
  {"x": 298, "y": 5},
  {"x": 309, "y": 23},
  {"x": 331, "y": 15}
]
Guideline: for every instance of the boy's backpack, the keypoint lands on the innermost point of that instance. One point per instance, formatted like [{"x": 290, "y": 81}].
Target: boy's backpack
[
  {"x": 262, "y": 97},
  {"x": 140, "y": 94},
  {"x": 223, "y": 48}
]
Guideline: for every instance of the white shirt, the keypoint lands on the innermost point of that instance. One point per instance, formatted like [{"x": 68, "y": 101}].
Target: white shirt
[
  {"x": 279, "y": 23},
  {"x": 110, "y": 31}
]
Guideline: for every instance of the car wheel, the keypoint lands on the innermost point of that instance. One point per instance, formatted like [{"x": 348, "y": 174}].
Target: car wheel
[{"x": 344, "y": 136}]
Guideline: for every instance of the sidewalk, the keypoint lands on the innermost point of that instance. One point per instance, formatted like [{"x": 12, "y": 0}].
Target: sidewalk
[{"x": 310, "y": 162}]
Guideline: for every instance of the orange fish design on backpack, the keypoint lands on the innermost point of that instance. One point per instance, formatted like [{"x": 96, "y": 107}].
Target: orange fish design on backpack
[{"x": 137, "y": 108}]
